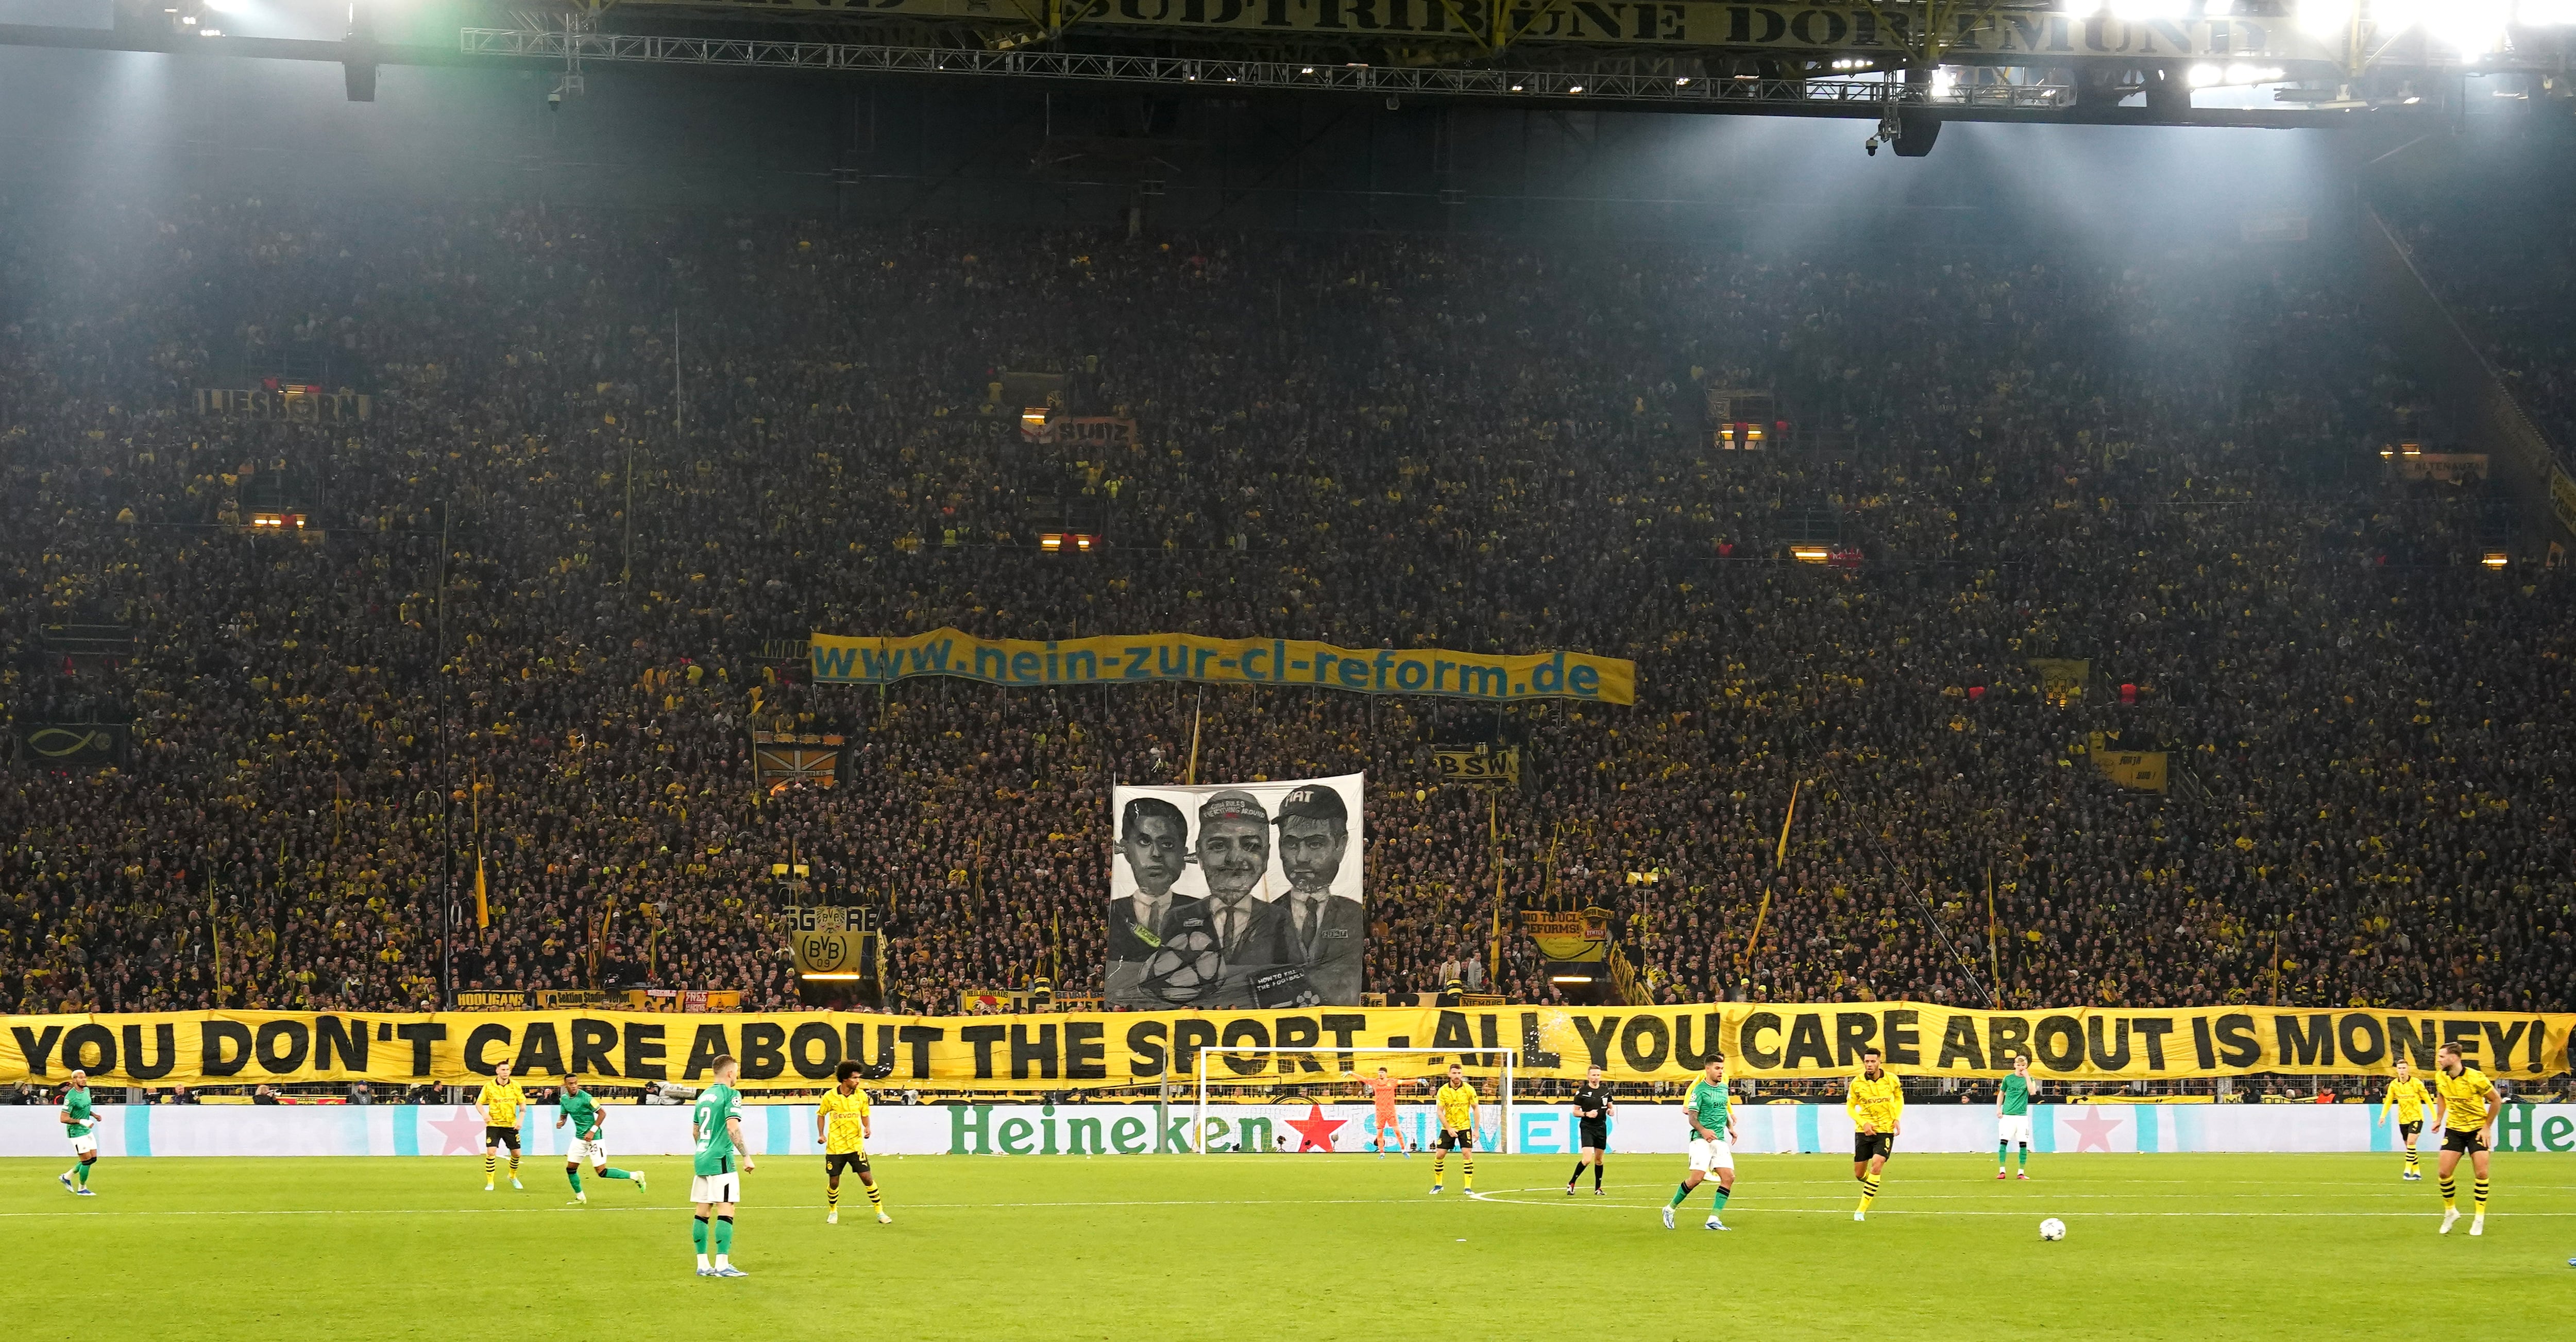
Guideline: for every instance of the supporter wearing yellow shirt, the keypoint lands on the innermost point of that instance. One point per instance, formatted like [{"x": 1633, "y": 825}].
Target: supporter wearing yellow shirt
[
  {"x": 500, "y": 1102},
  {"x": 2469, "y": 1109},
  {"x": 1457, "y": 1104},
  {"x": 841, "y": 1125},
  {"x": 2406, "y": 1095},
  {"x": 1876, "y": 1103}
]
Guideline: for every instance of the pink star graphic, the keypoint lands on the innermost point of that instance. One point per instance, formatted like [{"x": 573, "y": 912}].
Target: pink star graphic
[
  {"x": 1314, "y": 1131},
  {"x": 2093, "y": 1133},
  {"x": 463, "y": 1133}
]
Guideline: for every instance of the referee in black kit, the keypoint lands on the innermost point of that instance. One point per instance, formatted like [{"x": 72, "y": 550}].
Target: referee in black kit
[{"x": 1592, "y": 1111}]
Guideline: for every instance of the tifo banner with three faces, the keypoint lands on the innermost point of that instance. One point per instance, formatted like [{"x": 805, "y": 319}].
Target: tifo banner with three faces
[
  {"x": 799, "y": 1050},
  {"x": 1236, "y": 895},
  {"x": 1149, "y": 658}
]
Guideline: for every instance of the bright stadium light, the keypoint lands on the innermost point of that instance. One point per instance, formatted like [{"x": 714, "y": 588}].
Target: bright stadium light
[
  {"x": 2325, "y": 18},
  {"x": 2142, "y": 11},
  {"x": 2202, "y": 76},
  {"x": 2545, "y": 13},
  {"x": 2468, "y": 27}
]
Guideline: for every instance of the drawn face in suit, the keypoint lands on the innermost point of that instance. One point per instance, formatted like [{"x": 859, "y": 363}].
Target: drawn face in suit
[
  {"x": 1310, "y": 851},
  {"x": 1156, "y": 842},
  {"x": 1234, "y": 853}
]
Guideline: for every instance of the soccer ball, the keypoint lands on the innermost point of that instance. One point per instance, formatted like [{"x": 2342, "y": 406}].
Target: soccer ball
[
  {"x": 2052, "y": 1229},
  {"x": 1183, "y": 967}
]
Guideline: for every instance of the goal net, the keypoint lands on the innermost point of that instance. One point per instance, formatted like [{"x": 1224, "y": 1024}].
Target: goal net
[{"x": 1228, "y": 1074}]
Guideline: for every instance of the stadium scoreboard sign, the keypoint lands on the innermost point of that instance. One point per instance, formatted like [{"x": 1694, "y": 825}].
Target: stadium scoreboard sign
[
  {"x": 1970, "y": 36},
  {"x": 800, "y": 1050}
]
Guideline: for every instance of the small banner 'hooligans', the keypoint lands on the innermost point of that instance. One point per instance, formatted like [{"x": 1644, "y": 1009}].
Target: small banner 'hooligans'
[
  {"x": 799, "y": 1050},
  {"x": 1148, "y": 658}
]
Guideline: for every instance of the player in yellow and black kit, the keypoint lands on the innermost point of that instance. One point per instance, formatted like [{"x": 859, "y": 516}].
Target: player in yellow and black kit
[
  {"x": 500, "y": 1103},
  {"x": 1457, "y": 1103},
  {"x": 2406, "y": 1096},
  {"x": 2469, "y": 1109},
  {"x": 841, "y": 1125},
  {"x": 1876, "y": 1103}
]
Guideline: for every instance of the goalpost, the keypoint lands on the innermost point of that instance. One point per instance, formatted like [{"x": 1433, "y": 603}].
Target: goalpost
[{"x": 1198, "y": 1120}]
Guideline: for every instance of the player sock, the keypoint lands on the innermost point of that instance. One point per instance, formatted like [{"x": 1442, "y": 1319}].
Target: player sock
[
  {"x": 724, "y": 1238},
  {"x": 2477, "y": 1191},
  {"x": 831, "y": 1197},
  {"x": 1436, "y": 1162},
  {"x": 514, "y": 1164},
  {"x": 573, "y": 1172},
  {"x": 1468, "y": 1179},
  {"x": 1596, "y": 1176},
  {"x": 2002, "y": 1149},
  {"x": 2025, "y": 1155},
  {"x": 1680, "y": 1192},
  {"x": 1717, "y": 1203},
  {"x": 1578, "y": 1174},
  {"x": 612, "y": 1172},
  {"x": 876, "y": 1196},
  {"x": 83, "y": 1170},
  {"x": 489, "y": 1165},
  {"x": 698, "y": 1235},
  {"x": 1868, "y": 1193},
  {"x": 2450, "y": 1192}
]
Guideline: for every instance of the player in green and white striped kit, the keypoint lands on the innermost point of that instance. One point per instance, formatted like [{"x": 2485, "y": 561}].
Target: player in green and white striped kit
[
  {"x": 579, "y": 1108},
  {"x": 1711, "y": 1112},
  {"x": 2012, "y": 1114},
  {"x": 80, "y": 1124}
]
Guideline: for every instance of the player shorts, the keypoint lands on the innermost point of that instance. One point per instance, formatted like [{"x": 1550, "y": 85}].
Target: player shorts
[
  {"x": 1706, "y": 1155},
  {"x": 1594, "y": 1134},
  {"x": 1458, "y": 1139},
  {"x": 86, "y": 1144},
  {"x": 836, "y": 1161},
  {"x": 2012, "y": 1128},
  {"x": 716, "y": 1187},
  {"x": 2409, "y": 1131},
  {"x": 508, "y": 1137},
  {"x": 2463, "y": 1139},
  {"x": 1873, "y": 1145},
  {"x": 585, "y": 1152}
]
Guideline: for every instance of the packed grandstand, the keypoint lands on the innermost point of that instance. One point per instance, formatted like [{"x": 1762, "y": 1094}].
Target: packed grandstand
[{"x": 528, "y": 611}]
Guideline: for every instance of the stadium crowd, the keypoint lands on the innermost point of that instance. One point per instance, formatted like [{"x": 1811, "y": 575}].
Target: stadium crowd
[{"x": 550, "y": 584}]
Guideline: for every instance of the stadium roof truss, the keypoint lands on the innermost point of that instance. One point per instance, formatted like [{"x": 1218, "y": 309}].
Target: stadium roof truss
[{"x": 2042, "y": 60}]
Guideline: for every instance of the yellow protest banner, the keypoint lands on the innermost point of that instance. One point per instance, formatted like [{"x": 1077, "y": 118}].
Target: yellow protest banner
[
  {"x": 2140, "y": 769},
  {"x": 799, "y": 1050},
  {"x": 1149, "y": 658}
]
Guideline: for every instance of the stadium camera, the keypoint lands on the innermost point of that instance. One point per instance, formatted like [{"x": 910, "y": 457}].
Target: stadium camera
[
  {"x": 554, "y": 103},
  {"x": 1871, "y": 144},
  {"x": 1393, "y": 102}
]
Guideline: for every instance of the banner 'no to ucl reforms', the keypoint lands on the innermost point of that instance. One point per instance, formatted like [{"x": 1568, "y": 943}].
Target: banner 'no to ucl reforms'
[{"x": 1147, "y": 658}]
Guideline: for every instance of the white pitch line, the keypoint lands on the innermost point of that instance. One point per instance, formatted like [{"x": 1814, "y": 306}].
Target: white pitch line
[
  {"x": 1740, "y": 1206},
  {"x": 92, "y": 1209}
]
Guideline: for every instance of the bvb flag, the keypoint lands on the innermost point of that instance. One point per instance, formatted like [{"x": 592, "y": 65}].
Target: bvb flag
[{"x": 482, "y": 900}]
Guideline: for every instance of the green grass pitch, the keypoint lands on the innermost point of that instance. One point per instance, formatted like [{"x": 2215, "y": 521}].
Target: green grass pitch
[{"x": 1313, "y": 1247}]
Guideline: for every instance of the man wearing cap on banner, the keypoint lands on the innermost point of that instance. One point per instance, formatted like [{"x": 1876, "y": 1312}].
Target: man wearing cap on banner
[
  {"x": 1324, "y": 933},
  {"x": 1234, "y": 859}
]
